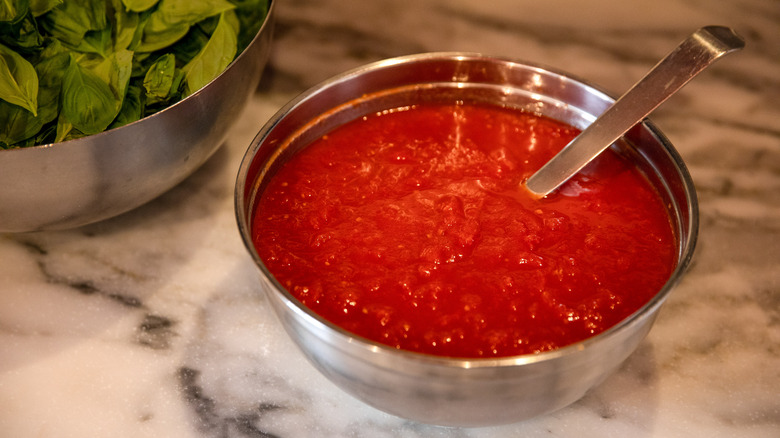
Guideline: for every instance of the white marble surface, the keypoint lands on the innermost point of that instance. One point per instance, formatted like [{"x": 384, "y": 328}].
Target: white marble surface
[{"x": 151, "y": 324}]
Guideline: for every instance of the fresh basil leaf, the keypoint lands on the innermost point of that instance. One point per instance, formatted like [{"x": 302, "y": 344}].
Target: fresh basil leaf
[
  {"x": 159, "y": 78},
  {"x": 177, "y": 87},
  {"x": 96, "y": 41},
  {"x": 12, "y": 11},
  {"x": 66, "y": 131},
  {"x": 18, "y": 80},
  {"x": 192, "y": 43},
  {"x": 63, "y": 128},
  {"x": 232, "y": 21},
  {"x": 70, "y": 21},
  {"x": 126, "y": 27},
  {"x": 22, "y": 36},
  {"x": 157, "y": 36},
  {"x": 218, "y": 53},
  {"x": 88, "y": 102},
  {"x": 173, "y": 18},
  {"x": 138, "y": 5},
  {"x": 21, "y": 126},
  {"x": 141, "y": 63},
  {"x": 17, "y": 123},
  {"x": 74, "y": 134},
  {"x": 51, "y": 67},
  {"x": 189, "y": 12},
  {"x": 40, "y": 7},
  {"x": 116, "y": 71},
  {"x": 44, "y": 136},
  {"x": 207, "y": 25},
  {"x": 251, "y": 15},
  {"x": 132, "y": 108}
]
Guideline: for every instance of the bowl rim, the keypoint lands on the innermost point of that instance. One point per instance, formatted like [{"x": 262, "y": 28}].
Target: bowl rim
[
  {"x": 686, "y": 245},
  {"x": 268, "y": 18}
]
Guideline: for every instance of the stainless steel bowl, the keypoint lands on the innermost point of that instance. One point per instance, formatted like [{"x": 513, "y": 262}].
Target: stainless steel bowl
[
  {"x": 441, "y": 390},
  {"x": 77, "y": 182}
]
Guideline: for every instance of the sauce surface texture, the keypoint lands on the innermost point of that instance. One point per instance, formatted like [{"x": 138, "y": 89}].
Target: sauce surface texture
[{"x": 410, "y": 228}]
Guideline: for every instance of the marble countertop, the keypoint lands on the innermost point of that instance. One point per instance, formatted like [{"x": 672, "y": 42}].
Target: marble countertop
[{"x": 151, "y": 324}]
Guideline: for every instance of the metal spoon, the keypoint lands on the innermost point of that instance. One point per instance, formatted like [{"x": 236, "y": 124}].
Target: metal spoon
[{"x": 693, "y": 55}]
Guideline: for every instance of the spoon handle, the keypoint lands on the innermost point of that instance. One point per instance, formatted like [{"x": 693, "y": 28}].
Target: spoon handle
[{"x": 692, "y": 56}]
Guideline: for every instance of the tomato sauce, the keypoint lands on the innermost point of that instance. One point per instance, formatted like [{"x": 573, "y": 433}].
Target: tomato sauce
[{"x": 410, "y": 227}]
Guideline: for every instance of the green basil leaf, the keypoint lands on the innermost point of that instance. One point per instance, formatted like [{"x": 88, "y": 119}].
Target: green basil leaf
[
  {"x": 18, "y": 80},
  {"x": 96, "y": 41},
  {"x": 189, "y": 12},
  {"x": 44, "y": 136},
  {"x": 128, "y": 27},
  {"x": 88, "y": 102},
  {"x": 159, "y": 78},
  {"x": 132, "y": 108},
  {"x": 158, "y": 35},
  {"x": 17, "y": 123},
  {"x": 232, "y": 21},
  {"x": 218, "y": 53},
  {"x": 21, "y": 126},
  {"x": 66, "y": 131},
  {"x": 22, "y": 36},
  {"x": 12, "y": 11},
  {"x": 207, "y": 25},
  {"x": 51, "y": 67},
  {"x": 141, "y": 63},
  {"x": 189, "y": 46},
  {"x": 251, "y": 15},
  {"x": 40, "y": 7},
  {"x": 138, "y": 5},
  {"x": 178, "y": 86},
  {"x": 173, "y": 18},
  {"x": 116, "y": 71},
  {"x": 70, "y": 21},
  {"x": 63, "y": 128}
]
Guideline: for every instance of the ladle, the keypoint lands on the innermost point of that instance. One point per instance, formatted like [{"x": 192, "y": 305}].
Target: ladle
[{"x": 692, "y": 56}]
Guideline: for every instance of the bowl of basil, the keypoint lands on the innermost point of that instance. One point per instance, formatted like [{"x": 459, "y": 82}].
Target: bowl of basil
[{"x": 107, "y": 104}]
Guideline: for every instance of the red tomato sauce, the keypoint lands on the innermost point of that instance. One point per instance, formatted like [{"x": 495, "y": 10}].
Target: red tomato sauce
[{"x": 411, "y": 228}]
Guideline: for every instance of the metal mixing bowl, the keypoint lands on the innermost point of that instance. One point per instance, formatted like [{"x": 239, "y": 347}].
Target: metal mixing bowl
[
  {"x": 440, "y": 390},
  {"x": 77, "y": 182}
]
